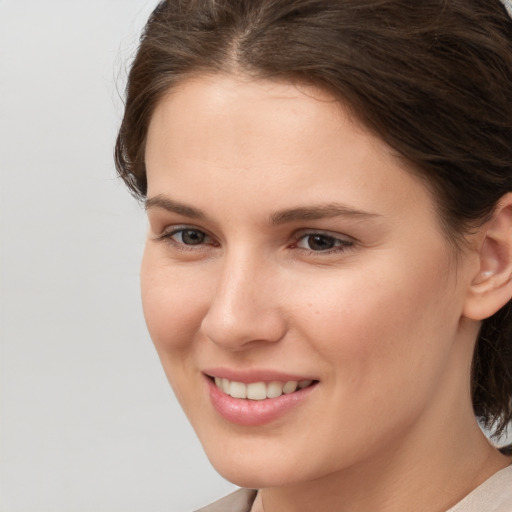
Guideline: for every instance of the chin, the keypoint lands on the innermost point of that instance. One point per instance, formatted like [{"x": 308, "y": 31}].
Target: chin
[
  {"x": 257, "y": 469},
  {"x": 253, "y": 476}
]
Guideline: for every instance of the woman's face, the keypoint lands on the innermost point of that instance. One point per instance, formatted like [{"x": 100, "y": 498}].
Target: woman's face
[{"x": 288, "y": 245}]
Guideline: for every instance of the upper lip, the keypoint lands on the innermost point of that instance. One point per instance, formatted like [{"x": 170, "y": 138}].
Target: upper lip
[{"x": 254, "y": 375}]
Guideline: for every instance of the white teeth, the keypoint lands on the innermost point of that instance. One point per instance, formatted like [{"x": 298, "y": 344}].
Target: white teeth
[
  {"x": 305, "y": 383},
  {"x": 238, "y": 390},
  {"x": 260, "y": 390},
  {"x": 274, "y": 389},
  {"x": 290, "y": 387},
  {"x": 257, "y": 391}
]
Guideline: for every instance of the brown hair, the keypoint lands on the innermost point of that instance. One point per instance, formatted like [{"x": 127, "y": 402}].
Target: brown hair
[{"x": 432, "y": 78}]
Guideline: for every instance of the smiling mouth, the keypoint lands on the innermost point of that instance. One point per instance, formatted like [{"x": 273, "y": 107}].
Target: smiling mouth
[{"x": 260, "y": 390}]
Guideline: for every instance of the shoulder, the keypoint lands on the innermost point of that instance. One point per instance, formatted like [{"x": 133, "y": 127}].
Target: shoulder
[
  {"x": 494, "y": 495},
  {"x": 239, "y": 501}
]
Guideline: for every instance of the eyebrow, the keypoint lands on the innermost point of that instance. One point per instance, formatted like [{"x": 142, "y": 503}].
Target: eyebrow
[
  {"x": 172, "y": 206},
  {"x": 322, "y": 211},
  {"x": 325, "y": 211}
]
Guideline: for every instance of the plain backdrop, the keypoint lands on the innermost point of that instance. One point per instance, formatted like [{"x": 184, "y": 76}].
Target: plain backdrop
[{"x": 88, "y": 421}]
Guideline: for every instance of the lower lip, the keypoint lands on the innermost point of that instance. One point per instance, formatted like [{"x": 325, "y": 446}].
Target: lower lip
[{"x": 255, "y": 412}]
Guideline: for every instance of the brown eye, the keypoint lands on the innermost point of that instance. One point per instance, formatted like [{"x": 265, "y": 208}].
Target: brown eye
[
  {"x": 322, "y": 242},
  {"x": 190, "y": 237}
]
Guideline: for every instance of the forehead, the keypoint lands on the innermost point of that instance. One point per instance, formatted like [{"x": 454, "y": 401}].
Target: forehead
[
  {"x": 231, "y": 110},
  {"x": 269, "y": 143},
  {"x": 223, "y": 112}
]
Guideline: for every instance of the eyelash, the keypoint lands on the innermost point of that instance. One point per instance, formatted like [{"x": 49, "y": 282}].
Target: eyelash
[
  {"x": 167, "y": 237},
  {"x": 340, "y": 244}
]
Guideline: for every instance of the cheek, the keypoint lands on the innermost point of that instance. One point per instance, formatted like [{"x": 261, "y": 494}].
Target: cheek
[
  {"x": 174, "y": 301},
  {"x": 378, "y": 332}
]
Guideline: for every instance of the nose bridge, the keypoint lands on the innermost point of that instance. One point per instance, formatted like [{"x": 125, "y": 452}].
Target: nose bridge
[
  {"x": 240, "y": 274},
  {"x": 243, "y": 308}
]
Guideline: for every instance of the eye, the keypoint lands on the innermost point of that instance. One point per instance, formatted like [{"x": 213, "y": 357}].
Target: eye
[
  {"x": 186, "y": 237},
  {"x": 189, "y": 236},
  {"x": 322, "y": 242}
]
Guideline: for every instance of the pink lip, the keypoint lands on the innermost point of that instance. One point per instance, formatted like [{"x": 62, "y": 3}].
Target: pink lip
[
  {"x": 248, "y": 376},
  {"x": 255, "y": 412}
]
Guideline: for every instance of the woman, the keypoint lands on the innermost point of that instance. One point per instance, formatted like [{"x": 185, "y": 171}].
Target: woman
[{"x": 328, "y": 271}]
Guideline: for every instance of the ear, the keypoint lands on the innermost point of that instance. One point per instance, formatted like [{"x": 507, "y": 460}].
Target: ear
[{"x": 491, "y": 287}]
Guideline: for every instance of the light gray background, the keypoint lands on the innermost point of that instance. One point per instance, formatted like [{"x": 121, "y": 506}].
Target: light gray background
[{"x": 88, "y": 422}]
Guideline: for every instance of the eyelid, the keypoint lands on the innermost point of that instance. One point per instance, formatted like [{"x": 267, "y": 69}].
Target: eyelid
[
  {"x": 176, "y": 228},
  {"x": 323, "y": 232}
]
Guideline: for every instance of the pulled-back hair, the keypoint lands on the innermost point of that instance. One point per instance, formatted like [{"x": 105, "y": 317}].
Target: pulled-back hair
[{"x": 432, "y": 78}]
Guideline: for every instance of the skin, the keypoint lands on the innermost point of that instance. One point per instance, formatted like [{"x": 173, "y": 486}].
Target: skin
[{"x": 379, "y": 320}]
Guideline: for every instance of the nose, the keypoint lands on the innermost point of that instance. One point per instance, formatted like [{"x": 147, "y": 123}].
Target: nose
[{"x": 244, "y": 310}]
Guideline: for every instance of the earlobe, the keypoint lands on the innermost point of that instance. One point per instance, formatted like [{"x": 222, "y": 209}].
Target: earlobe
[{"x": 491, "y": 287}]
